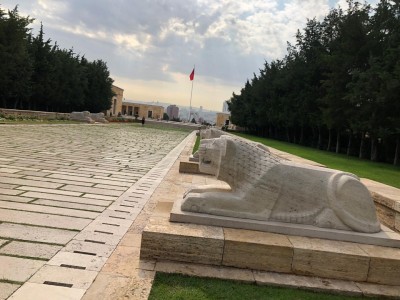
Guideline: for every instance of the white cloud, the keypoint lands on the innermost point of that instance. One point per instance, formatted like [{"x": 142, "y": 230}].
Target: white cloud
[
  {"x": 51, "y": 10},
  {"x": 133, "y": 42},
  {"x": 83, "y": 31}
]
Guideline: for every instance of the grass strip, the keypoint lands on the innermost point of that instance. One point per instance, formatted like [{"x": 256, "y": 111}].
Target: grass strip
[
  {"x": 196, "y": 145},
  {"x": 175, "y": 286}
]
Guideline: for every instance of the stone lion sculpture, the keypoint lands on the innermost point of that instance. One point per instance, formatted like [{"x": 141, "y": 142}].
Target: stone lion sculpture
[
  {"x": 267, "y": 188},
  {"x": 212, "y": 133},
  {"x": 99, "y": 117},
  {"x": 81, "y": 116}
]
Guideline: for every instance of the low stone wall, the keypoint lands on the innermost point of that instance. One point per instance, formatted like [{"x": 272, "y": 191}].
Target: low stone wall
[{"x": 33, "y": 113}]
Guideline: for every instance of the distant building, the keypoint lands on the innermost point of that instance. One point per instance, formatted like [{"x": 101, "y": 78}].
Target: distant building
[
  {"x": 141, "y": 110},
  {"x": 173, "y": 112},
  {"x": 116, "y": 101},
  {"x": 222, "y": 119},
  {"x": 225, "y": 107}
]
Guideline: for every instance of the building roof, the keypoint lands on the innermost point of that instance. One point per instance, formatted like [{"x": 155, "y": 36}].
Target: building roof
[
  {"x": 116, "y": 87},
  {"x": 140, "y": 103}
]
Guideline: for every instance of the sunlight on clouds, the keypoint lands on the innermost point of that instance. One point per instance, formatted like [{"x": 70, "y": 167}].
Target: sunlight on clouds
[
  {"x": 136, "y": 42},
  {"x": 259, "y": 27},
  {"x": 52, "y": 6},
  {"x": 50, "y": 9},
  {"x": 165, "y": 68},
  {"x": 83, "y": 31},
  {"x": 178, "y": 27}
]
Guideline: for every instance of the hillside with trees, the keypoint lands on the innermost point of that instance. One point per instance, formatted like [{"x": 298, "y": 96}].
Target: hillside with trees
[
  {"x": 38, "y": 75},
  {"x": 337, "y": 88}
]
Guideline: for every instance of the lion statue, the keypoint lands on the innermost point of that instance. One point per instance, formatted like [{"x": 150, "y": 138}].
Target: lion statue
[
  {"x": 212, "y": 133},
  {"x": 267, "y": 188}
]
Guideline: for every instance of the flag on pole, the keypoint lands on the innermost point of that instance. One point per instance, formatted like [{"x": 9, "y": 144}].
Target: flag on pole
[{"x": 192, "y": 75}]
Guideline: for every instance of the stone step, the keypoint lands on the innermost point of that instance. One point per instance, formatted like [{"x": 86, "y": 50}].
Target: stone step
[{"x": 264, "y": 251}]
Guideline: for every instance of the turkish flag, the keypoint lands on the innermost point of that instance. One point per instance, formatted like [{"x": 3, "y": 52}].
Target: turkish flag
[{"x": 192, "y": 75}]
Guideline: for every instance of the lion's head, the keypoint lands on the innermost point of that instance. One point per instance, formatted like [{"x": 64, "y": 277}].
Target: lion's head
[{"x": 211, "y": 152}]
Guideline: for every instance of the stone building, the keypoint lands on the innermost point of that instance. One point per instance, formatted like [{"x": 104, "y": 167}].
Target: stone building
[
  {"x": 173, "y": 112},
  {"x": 141, "y": 110},
  {"x": 116, "y": 102},
  {"x": 222, "y": 119}
]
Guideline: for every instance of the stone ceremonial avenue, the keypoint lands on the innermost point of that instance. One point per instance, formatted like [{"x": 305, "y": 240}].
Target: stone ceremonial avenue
[{"x": 68, "y": 195}]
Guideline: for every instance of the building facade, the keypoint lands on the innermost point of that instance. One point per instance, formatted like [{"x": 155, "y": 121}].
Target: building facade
[
  {"x": 173, "y": 112},
  {"x": 116, "y": 102},
  {"x": 141, "y": 110},
  {"x": 222, "y": 119}
]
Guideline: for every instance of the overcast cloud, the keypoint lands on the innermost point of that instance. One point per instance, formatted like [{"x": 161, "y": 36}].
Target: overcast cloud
[{"x": 150, "y": 46}]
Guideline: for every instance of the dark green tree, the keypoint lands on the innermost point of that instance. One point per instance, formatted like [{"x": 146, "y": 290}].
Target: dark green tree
[
  {"x": 15, "y": 62},
  {"x": 99, "y": 86}
]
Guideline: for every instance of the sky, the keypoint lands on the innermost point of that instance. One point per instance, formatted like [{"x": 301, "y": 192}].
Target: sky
[{"x": 151, "y": 46}]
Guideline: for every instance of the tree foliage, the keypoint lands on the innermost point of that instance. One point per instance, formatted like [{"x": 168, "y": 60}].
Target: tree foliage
[
  {"x": 36, "y": 74},
  {"x": 337, "y": 88}
]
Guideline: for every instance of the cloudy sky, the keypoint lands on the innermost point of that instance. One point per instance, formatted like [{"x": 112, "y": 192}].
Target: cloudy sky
[{"x": 151, "y": 46}]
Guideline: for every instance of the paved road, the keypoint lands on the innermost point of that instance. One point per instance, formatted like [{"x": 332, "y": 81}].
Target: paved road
[{"x": 68, "y": 193}]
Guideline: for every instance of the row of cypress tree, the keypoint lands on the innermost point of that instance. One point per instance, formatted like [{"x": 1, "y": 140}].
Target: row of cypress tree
[
  {"x": 38, "y": 75},
  {"x": 337, "y": 88}
]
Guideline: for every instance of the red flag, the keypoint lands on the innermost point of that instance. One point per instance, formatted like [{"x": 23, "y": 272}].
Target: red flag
[{"x": 192, "y": 75}]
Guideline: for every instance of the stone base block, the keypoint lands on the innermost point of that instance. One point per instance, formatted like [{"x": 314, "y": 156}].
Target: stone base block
[
  {"x": 329, "y": 259},
  {"x": 257, "y": 250},
  {"x": 386, "y": 215},
  {"x": 262, "y": 251},
  {"x": 180, "y": 242},
  {"x": 384, "y": 266},
  {"x": 193, "y": 159},
  {"x": 189, "y": 167},
  {"x": 387, "y": 237}
]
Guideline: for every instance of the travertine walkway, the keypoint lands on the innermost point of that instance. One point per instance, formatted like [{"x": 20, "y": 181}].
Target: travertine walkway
[{"x": 68, "y": 194}]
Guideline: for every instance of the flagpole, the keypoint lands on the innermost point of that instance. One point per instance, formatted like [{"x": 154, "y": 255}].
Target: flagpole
[{"x": 191, "y": 93}]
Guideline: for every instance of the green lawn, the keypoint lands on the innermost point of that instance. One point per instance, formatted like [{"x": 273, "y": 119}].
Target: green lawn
[
  {"x": 380, "y": 172},
  {"x": 174, "y": 286}
]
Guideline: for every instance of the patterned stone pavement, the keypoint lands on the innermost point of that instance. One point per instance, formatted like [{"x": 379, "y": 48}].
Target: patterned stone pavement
[{"x": 68, "y": 194}]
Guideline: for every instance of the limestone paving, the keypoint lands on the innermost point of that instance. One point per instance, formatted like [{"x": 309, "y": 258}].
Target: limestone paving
[
  {"x": 65, "y": 204},
  {"x": 29, "y": 249}
]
